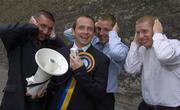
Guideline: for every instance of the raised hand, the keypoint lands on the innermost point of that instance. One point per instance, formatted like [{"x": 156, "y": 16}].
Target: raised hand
[
  {"x": 157, "y": 28},
  {"x": 115, "y": 28},
  {"x": 53, "y": 34},
  {"x": 75, "y": 62},
  {"x": 33, "y": 21},
  {"x": 136, "y": 38}
]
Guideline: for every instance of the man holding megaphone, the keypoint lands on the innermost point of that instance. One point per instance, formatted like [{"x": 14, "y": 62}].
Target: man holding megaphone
[
  {"x": 22, "y": 41},
  {"x": 83, "y": 87}
]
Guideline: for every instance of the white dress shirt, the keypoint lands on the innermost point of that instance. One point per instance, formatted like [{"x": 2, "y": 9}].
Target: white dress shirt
[
  {"x": 160, "y": 66},
  {"x": 83, "y": 48}
]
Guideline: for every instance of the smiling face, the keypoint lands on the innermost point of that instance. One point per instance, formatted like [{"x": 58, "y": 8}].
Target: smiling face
[
  {"x": 83, "y": 31},
  {"x": 45, "y": 26},
  {"x": 144, "y": 32},
  {"x": 105, "y": 24},
  {"x": 102, "y": 28}
]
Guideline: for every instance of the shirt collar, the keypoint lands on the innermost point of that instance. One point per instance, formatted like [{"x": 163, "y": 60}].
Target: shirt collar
[
  {"x": 95, "y": 40},
  {"x": 83, "y": 48}
]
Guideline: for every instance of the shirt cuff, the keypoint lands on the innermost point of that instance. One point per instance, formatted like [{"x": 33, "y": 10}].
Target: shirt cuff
[
  {"x": 113, "y": 35},
  {"x": 158, "y": 36}
]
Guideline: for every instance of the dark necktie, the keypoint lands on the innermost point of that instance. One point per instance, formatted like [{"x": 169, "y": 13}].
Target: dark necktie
[{"x": 80, "y": 50}]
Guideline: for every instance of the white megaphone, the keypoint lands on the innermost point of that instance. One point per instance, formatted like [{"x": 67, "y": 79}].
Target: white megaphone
[{"x": 50, "y": 63}]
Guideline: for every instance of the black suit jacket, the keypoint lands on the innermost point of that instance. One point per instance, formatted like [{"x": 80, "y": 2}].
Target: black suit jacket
[
  {"x": 90, "y": 87},
  {"x": 21, "y": 45}
]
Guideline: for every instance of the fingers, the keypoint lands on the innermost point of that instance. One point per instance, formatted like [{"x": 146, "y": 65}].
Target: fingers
[
  {"x": 32, "y": 96},
  {"x": 157, "y": 28},
  {"x": 75, "y": 62},
  {"x": 135, "y": 37},
  {"x": 41, "y": 93},
  {"x": 37, "y": 91},
  {"x": 53, "y": 35},
  {"x": 137, "y": 40},
  {"x": 74, "y": 59},
  {"x": 96, "y": 24},
  {"x": 115, "y": 28},
  {"x": 33, "y": 20}
]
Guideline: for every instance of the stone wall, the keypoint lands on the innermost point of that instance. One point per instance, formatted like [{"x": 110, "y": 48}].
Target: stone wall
[{"x": 126, "y": 11}]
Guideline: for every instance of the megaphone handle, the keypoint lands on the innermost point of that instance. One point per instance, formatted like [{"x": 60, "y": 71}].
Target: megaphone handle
[{"x": 36, "y": 84}]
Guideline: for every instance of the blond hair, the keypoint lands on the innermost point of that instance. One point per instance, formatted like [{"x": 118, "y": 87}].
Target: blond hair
[{"x": 147, "y": 18}]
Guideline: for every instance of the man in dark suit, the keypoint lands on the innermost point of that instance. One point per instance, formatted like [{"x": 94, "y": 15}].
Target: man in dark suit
[
  {"x": 84, "y": 85},
  {"x": 22, "y": 41}
]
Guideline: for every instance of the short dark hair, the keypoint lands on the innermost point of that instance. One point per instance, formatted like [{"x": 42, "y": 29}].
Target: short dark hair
[
  {"x": 108, "y": 17},
  {"x": 47, "y": 14},
  {"x": 87, "y": 16}
]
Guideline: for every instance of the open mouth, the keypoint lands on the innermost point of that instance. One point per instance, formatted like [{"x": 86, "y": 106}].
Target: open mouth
[{"x": 84, "y": 37}]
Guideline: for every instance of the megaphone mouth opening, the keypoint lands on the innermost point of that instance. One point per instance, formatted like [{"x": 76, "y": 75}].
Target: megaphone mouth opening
[{"x": 51, "y": 61}]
